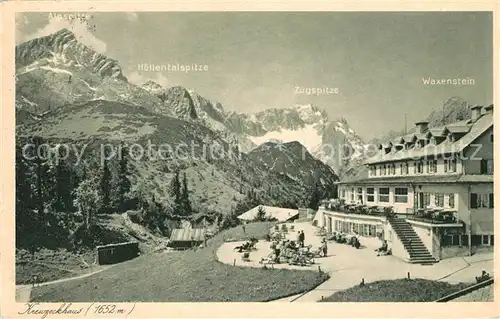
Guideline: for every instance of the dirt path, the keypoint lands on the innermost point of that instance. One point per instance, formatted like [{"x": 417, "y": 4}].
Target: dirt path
[{"x": 23, "y": 292}]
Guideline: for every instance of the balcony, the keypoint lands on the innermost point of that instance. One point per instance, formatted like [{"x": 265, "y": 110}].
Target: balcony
[
  {"x": 357, "y": 209},
  {"x": 435, "y": 216}
]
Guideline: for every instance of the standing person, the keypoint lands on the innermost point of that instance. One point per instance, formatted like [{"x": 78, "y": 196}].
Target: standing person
[
  {"x": 301, "y": 238},
  {"x": 324, "y": 247},
  {"x": 244, "y": 229},
  {"x": 298, "y": 237}
]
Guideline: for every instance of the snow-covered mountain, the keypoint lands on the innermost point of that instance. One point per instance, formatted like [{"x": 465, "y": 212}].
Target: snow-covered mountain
[
  {"x": 333, "y": 142},
  {"x": 56, "y": 71}
]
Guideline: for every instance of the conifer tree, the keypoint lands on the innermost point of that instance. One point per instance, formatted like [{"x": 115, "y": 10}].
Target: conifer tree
[
  {"x": 123, "y": 181},
  {"x": 185, "y": 202},
  {"x": 105, "y": 187},
  {"x": 175, "y": 192}
]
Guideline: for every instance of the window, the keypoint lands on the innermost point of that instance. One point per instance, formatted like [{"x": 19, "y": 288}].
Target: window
[
  {"x": 450, "y": 165},
  {"x": 352, "y": 194},
  {"x": 383, "y": 195},
  {"x": 401, "y": 195},
  {"x": 484, "y": 200},
  {"x": 476, "y": 240},
  {"x": 343, "y": 193},
  {"x": 420, "y": 168},
  {"x": 486, "y": 240},
  {"x": 427, "y": 199},
  {"x": 439, "y": 200},
  {"x": 433, "y": 166},
  {"x": 370, "y": 194},
  {"x": 360, "y": 194},
  {"x": 487, "y": 166},
  {"x": 451, "y": 240},
  {"x": 404, "y": 169},
  {"x": 372, "y": 231},
  {"x": 451, "y": 200},
  {"x": 481, "y": 200}
]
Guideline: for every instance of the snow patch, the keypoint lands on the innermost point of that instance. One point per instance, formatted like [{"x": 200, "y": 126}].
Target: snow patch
[
  {"x": 55, "y": 70},
  {"x": 307, "y": 136}
]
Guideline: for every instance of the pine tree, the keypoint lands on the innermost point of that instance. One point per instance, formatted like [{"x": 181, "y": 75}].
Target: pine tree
[
  {"x": 88, "y": 199},
  {"x": 63, "y": 186},
  {"x": 315, "y": 197},
  {"x": 175, "y": 192},
  {"x": 106, "y": 188},
  {"x": 123, "y": 181},
  {"x": 25, "y": 223},
  {"x": 185, "y": 202}
]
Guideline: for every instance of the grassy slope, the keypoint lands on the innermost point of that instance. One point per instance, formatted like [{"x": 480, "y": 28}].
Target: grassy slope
[
  {"x": 400, "y": 290},
  {"x": 185, "y": 276}
]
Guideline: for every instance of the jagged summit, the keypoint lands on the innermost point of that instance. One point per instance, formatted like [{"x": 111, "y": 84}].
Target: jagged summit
[{"x": 63, "y": 49}]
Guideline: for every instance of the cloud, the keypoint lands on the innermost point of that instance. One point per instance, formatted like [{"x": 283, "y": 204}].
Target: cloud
[
  {"x": 21, "y": 22},
  {"x": 141, "y": 78},
  {"x": 81, "y": 27},
  {"x": 132, "y": 16}
]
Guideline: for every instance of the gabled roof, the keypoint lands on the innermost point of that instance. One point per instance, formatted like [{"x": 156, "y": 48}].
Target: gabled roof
[
  {"x": 408, "y": 138},
  {"x": 458, "y": 129},
  {"x": 187, "y": 234},
  {"x": 437, "y": 131},
  {"x": 471, "y": 132}
]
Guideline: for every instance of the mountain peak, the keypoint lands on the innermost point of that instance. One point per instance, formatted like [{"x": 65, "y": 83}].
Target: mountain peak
[
  {"x": 70, "y": 52},
  {"x": 152, "y": 86}
]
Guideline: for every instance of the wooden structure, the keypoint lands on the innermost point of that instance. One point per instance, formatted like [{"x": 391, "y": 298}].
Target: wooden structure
[{"x": 115, "y": 253}]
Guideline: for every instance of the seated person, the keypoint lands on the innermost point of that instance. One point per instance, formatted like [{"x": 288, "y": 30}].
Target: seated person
[
  {"x": 357, "y": 244},
  {"x": 384, "y": 250},
  {"x": 484, "y": 276}
]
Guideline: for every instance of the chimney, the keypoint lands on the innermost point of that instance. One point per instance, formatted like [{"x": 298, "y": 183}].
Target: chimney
[
  {"x": 475, "y": 112},
  {"x": 488, "y": 109},
  {"x": 422, "y": 126}
]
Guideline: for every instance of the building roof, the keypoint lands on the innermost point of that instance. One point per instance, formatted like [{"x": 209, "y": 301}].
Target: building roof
[
  {"x": 281, "y": 214},
  {"x": 187, "y": 234},
  {"x": 471, "y": 131},
  {"x": 437, "y": 131},
  {"x": 475, "y": 179}
]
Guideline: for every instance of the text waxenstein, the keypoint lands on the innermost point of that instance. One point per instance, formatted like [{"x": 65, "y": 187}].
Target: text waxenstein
[
  {"x": 456, "y": 81},
  {"x": 171, "y": 67}
]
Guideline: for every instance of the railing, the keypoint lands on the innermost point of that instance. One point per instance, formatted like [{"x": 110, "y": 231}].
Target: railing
[
  {"x": 434, "y": 217},
  {"x": 362, "y": 210}
]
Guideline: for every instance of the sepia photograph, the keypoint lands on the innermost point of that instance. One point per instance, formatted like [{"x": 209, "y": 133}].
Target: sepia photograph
[{"x": 270, "y": 156}]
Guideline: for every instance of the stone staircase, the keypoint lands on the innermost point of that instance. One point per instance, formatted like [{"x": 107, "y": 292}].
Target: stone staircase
[{"x": 416, "y": 249}]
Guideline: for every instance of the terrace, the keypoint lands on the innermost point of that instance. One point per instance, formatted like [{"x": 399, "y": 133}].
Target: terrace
[{"x": 430, "y": 215}]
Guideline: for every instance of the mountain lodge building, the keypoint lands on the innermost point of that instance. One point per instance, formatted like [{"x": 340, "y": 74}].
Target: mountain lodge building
[{"x": 438, "y": 183}]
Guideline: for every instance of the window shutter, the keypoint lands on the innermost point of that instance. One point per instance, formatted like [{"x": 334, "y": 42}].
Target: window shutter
[
  {"x": 491, "y": 200},
  {"x": 473, "y": 200}
]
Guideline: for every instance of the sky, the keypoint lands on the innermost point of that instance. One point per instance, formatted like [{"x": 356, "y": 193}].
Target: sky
[{"x": 369, "y": 65}]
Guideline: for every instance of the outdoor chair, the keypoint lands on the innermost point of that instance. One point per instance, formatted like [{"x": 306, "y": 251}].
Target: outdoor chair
[{"x": 245, "y": 256}]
